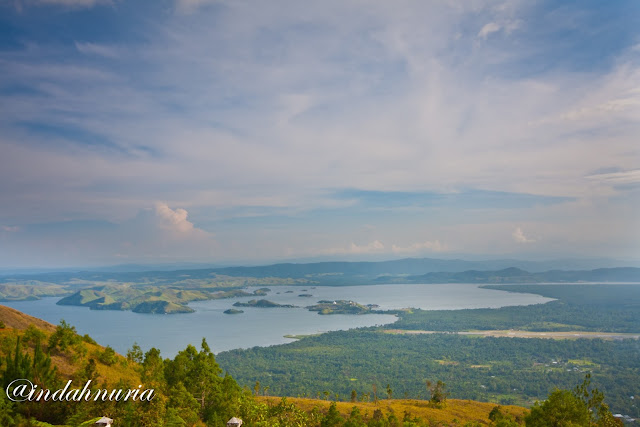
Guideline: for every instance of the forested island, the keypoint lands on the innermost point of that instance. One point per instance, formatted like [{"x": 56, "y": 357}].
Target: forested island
[
  {"x": 339, "y": 307},
  {"x": 263, "y": 303}
]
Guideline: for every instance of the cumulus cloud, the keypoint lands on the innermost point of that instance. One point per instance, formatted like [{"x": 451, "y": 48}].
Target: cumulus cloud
[
  {"x": 382, "y": 98},
  {"x": 519, "y": 236},
  {"x": 173, "y": 220},
  {"x": 431, "y": 246}
]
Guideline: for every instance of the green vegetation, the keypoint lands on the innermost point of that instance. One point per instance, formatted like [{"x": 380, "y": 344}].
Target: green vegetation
[
  {"x": 191, "y": 389},
  {"x": 501, "y": 370},
  {"x": 598, "y": 308},
  {"x": 582, "y": 407},
  {"x": 516, "y": 275},
  {"x": 233, "y": 311},
  {"x": 30, "y": 290},
  {"x": 148, "y": 299},
  {"x": 339, "y": 307},
  {"x": 161, "y": 307},
  {"x": 140, "y": 300},
  {"x": 262, "y": 303}
]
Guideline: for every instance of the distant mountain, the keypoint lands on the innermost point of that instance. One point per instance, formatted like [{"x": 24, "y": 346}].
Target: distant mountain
[
  {"x": 516, "y": 275},
  {"x": 427, "y": 270}
]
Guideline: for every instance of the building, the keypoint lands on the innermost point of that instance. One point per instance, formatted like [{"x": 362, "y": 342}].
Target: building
[
  {"x": 104, "y": 422},
  {"x": 234, "y": 422}
]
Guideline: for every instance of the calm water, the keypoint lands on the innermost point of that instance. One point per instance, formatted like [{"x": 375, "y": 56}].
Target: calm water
[{"x": 263, "y": 326}]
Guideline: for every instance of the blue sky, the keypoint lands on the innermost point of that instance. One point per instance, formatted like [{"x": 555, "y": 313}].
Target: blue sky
[{"x": 249, "y": 131}]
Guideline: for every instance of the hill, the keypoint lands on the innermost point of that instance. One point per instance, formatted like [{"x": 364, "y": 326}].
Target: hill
[
  {"x": 516, "y": 275},
  {"x": 455, "y": 412},
  {"x": 71, "y": 354},
  {"x": 69, "y": 360}
]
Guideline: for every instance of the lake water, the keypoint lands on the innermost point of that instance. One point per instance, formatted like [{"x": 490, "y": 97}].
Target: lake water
[{"x": 263, "y": 326}]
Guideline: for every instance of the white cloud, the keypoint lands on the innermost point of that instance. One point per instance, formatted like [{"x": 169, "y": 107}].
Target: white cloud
[
  {"x": 190, "y": 6},
  {"x": 489, "y": 28},
  {"x": 20, "y": 4},
  {"x": 431, "y": 246},
  {"x": 10, "y": 229},
  {"x": 617, "y": 178},
  {"x": 97, "y": 49},
  {"x": 353, "y": 249},
  {"x": 519, "y": 236},
  {"x": 272, "y": 106},
  {"x": 175, "y": 221}
]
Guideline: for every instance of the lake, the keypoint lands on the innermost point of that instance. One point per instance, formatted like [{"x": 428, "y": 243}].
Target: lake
[{"x": 264, "y": 326}]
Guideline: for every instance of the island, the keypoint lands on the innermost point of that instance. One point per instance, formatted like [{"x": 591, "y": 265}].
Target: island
[
  {"x": 235, "y": 293},
  {"x": 233, "y": 311},
  {"x": 263, "y": 303},
  {"x": 148, "y": 299},
  {"x": 339, "y": 307},
  {"x": 305, "y": 295},
  {"x": 161, "y": 307}
]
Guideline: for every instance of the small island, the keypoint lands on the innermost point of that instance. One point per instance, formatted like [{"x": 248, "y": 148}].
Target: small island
[
  {"x": 233, "y": 311},
  {"x": 263, "y": 303},
  {"x": 161, "y": 307},
  {"x": 339, "y": 307},
  {"x": 305, "y": 295}
]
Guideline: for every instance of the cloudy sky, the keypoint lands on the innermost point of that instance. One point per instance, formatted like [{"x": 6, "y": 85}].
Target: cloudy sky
[{"x": 226, "y": 131}]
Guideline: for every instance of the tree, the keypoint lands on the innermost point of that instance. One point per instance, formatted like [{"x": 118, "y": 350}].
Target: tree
[
  {"x": 17, "y": 366},
  {"x": 355, "y": 418},
  {"x": 64, "y": 336},
  {"x": 389, "y": 391},
  {"x": 153, "y": 368},
  {"x": 108, "y": 356},
  {"x": 580, "y": 407},
  {"x": 332, "y": 418},
  {"x": 501, "y": 419},
  {"x": 438, "y": 393},
  {"x": 134, "y": 354},
  {"x": 89, "y": 372},
  {"x": 562, "y": 408},
  {"x": 354, "y": 395}
]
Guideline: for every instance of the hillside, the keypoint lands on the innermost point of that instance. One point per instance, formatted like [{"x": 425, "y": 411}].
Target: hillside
[
  {"x": 72, "y": 359},
  {"x": 455, "y": 412}
]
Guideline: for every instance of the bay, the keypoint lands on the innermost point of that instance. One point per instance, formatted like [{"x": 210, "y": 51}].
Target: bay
[{"x": 264, "y": 326}]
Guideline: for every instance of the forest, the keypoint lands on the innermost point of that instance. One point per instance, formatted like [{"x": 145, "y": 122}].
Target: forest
[
  {"x": 502, "y": 370},
  {"x": 193, "y": 390}
]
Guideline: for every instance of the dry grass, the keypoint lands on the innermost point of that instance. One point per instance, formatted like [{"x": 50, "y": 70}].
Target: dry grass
[
  {"x": 460, "y": 411},
  {"x": 13, "y": 318},
  {"x": 67, "y": 362}
]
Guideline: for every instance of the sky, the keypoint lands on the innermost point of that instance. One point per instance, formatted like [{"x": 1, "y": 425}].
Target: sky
[{"x": 252, "y": 131}]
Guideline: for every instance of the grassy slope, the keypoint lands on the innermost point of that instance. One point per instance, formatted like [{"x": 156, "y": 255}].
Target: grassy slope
[
  {"x": 461, "y": 410},
  {"x": 67, "y": 362}
]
